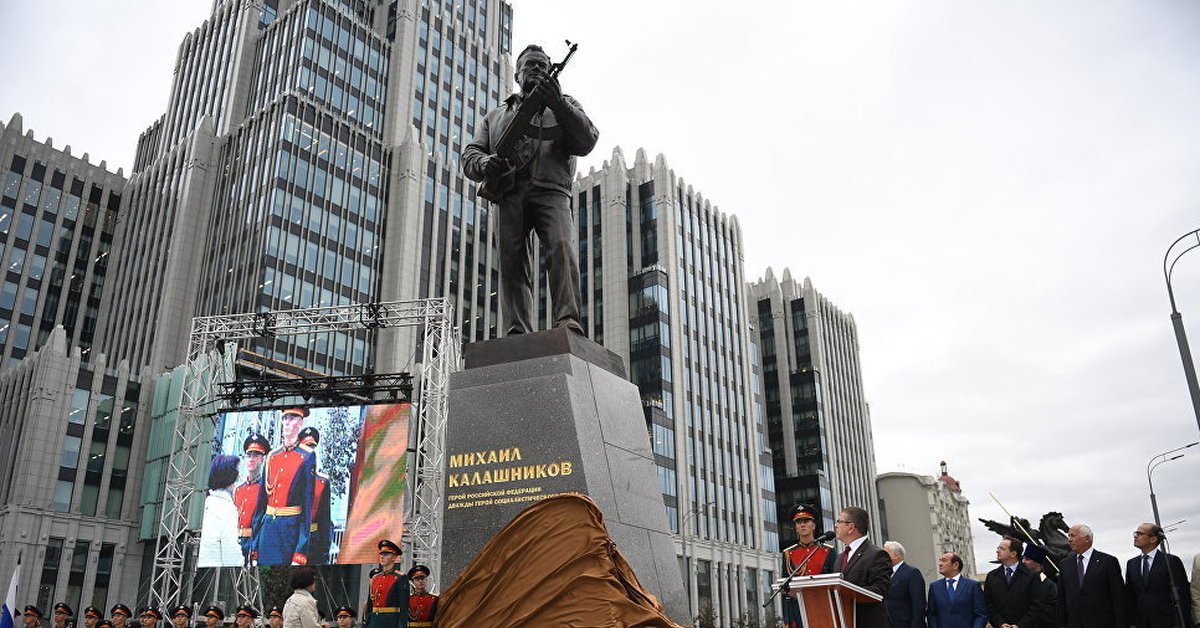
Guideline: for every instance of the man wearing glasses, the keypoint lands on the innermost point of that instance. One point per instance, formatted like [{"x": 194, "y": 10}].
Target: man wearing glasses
[
  {"x": 388, "y": 594},
  {"x": 1148, "y": 585},
  {"x": 865, "y": 564},
  {"x": 422, "y": 605}
]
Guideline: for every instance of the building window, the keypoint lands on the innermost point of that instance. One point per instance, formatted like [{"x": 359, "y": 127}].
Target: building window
[{"x": 46, "y": 589}]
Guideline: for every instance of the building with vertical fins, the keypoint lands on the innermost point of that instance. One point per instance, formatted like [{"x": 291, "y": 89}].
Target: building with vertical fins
[
  {"x": 70, "y": 478},
  {"x": 57, "y": 217},
  {"x": 309, "y": 157},
  {"x": 928, "y": 516},
  {"x": 818, "y": 423},
  {"x": 663, "y": 287}
]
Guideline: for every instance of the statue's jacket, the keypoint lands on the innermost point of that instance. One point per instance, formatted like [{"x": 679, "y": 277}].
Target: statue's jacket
[{"x": 560, "y": 137}]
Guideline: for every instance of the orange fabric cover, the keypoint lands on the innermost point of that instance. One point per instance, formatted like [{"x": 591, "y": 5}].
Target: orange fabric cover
[{"x": 552, "y": 566}]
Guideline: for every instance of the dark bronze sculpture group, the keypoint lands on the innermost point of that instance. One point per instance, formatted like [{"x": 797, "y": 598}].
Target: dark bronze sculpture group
[{"x": 524, "y": 152}]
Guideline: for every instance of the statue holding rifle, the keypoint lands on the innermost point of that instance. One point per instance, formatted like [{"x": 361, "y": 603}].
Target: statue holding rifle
[{"x": 524, "y": 154}]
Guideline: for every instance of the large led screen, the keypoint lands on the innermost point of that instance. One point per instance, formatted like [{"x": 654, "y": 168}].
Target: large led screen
[{"x": 308, "y": 486}]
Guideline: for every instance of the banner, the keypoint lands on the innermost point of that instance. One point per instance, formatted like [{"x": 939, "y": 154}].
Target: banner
[{"x": 305, "y": 485}]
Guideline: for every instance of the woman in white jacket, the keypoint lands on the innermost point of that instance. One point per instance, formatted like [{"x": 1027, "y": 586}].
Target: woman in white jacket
[
  {"x": 218, "y": 537},
  {"x": 300, "y": 610}
]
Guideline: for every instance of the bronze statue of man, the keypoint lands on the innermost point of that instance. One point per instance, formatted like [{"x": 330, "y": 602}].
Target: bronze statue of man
[{"x": 533, "y": 190}]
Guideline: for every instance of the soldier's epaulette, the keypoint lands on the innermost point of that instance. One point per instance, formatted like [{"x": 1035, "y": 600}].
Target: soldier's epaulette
[{"x": 792, "y": 547}]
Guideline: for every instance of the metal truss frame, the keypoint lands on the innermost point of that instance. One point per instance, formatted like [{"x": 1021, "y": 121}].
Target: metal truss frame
[{"x": 440, "y": 356}]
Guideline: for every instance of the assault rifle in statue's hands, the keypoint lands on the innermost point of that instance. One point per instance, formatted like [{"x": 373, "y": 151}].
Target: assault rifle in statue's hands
[{"x": 516, "y": 146}]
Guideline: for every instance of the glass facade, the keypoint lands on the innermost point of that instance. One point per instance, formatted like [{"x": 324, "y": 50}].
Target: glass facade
[
  {"x": 57, "y": 215},
  {"x": 670, "y": 299},
  {"x": 459, "y": 75},
  {"x": 817, "y": 420}
]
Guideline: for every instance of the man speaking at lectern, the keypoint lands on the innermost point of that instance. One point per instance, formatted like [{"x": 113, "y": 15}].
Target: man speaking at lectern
[{"x": 864, "y": 564}]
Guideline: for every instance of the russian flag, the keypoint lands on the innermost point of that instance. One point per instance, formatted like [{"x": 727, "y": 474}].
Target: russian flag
[{"x": 10, "y": 598}]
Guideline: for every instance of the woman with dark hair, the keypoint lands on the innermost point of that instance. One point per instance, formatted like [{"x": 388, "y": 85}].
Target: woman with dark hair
[
  {"x": 219, "y": 545},
  {"x": 300, "y": 611}
]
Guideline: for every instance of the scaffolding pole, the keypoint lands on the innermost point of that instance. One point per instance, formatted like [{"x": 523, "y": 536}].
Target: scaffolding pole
[{"x": 206, "y": 369}]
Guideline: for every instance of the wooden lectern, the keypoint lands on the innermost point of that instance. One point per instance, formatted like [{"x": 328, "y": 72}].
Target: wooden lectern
[{"x": 828, "y": 601}]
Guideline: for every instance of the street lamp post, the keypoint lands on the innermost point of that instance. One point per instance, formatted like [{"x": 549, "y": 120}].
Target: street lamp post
[
  {"x": 1185, "y": 352},
  {"x": 1155, "y": 462},
  {"x": 683, "y": 538}
]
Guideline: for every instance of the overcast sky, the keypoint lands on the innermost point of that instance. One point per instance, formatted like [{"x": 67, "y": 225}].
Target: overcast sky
[{"x": 989, "y": 187}]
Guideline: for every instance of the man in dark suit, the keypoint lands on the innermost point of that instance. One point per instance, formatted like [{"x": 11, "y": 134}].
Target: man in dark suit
[
  {"x": 1010, "y": 589},
  {"x": 1090, "y": 591},
  {"x": 864, "y": 564},
  {"x": 905, "y": 600},
  {"x": 955, "y": 601},
  {"x": 1148, "y": 584}
]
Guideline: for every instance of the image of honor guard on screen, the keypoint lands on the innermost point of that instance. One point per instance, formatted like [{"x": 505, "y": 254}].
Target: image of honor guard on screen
[{"x": 285, "y": 499}]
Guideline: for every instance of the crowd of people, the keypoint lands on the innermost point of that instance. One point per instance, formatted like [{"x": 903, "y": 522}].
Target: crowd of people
[
  {"x": 395, "y": 599},
  {"x": 1027, "y": 589}
]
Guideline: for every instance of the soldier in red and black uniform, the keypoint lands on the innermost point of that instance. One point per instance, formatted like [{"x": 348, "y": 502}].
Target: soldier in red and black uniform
[
  {"x": 322, "y": 522},
  {"x": 245, "y": 497},
  {"x": 422, "y": 605},
  {"x": 91, "y": 617},
  {"x": 387, "y": 604},
  {"x": 63, "y": 615},
  {"x": 181, "y": 616},
  {"x": 344, "y": 616},
  {"x": 120, "y": 615},
  {"x": 275, "y": 617},
  {"x": 284, "y": 507},
  {"x": 820, "y": 558}
]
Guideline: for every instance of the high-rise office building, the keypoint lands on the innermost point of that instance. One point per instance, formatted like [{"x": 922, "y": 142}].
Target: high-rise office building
[
  {"x": 69, "y": 479},
  {"x": 929, "y": 516},
  {"x": 662, "y": 285},
  {"x": 818, "y": 423},
  {"x": 309, "y": 157},
  {"x": 57, "y": 215}
]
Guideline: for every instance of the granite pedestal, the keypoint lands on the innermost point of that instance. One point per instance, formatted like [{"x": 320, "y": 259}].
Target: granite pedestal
[{"x": 546, "y": 413}]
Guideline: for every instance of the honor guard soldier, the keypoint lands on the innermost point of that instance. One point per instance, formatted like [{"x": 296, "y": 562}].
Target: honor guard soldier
[
  {"x": 388, "y": 595},
  {"x": 92, "y": 616},
  {"x": 1045, "y": 599},
  {"x": 245, "y": 497},
  {"x": 33, "y": 616},
  {"x": 422, "y": 605},
  {"x": 62, "y": 615},
  {"x": 104, "y": 623},
  {"x": 149, "y": 616},
  {"x": 275, "y": 616},
  {"x": 120, "y": 614},
  {"x": 321, "y": 526},
  {"x": 345, "y": 617},
  {"x": 284, "y": 507},
  {"x": 808, "y": 555},
  {"x": 245, "y": 616},
  {"x": 181, "y": 616},
  {"x": 214, "y": 616}
]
